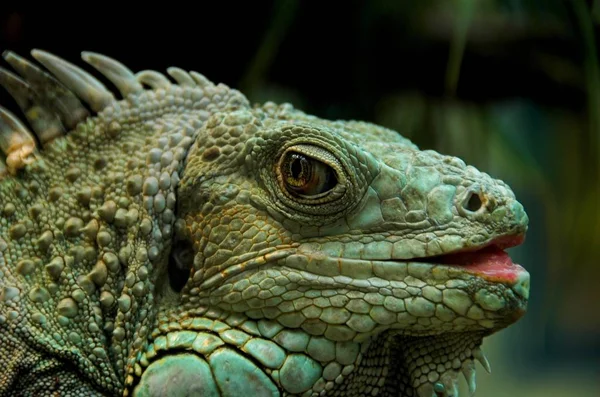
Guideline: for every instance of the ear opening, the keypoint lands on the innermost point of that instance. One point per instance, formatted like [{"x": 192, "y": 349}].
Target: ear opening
[{"x": 181, "y": 260}]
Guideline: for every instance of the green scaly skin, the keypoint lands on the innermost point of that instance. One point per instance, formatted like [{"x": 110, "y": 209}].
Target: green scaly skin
[{"x": 341, "y": 293}]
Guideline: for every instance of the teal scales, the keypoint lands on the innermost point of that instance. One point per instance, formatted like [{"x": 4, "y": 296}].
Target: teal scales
[{"x": 170, "y": 238}]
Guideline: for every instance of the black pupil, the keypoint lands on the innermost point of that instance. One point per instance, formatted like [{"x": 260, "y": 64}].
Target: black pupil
[{"x": 296, "y": 167}]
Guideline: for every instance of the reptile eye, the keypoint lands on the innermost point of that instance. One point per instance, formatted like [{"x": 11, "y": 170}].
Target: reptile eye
[{"x": 306, "y": 176}]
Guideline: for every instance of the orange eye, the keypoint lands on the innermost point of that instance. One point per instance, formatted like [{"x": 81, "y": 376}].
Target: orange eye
[{"x": 306, "y": 176}]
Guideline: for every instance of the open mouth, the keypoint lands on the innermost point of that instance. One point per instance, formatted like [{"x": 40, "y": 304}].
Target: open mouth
[{"x": 491, "y": 262}]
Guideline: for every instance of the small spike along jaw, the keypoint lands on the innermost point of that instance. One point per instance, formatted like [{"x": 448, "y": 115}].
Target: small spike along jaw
[
  {"x": 433, "y": 363},
  {"x": 447, "y": 385}
]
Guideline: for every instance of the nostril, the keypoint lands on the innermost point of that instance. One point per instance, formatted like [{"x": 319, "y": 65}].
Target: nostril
[
  {"x": 180, "y": 264},
  {"x": 474, "y": 203}
]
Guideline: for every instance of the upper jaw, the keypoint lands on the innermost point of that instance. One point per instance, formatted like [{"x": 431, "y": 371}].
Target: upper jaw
[{"x": 395, "y": 258}]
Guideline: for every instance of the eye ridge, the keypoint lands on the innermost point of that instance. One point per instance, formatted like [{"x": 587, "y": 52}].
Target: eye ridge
[{"x": 307, "y": 176}]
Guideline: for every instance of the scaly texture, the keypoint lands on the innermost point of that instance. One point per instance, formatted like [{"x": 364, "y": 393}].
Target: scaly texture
[{"x": 179, "y": 241}]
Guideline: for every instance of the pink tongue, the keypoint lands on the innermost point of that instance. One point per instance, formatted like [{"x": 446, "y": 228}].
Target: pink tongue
[{"x": 491, "y": 263}]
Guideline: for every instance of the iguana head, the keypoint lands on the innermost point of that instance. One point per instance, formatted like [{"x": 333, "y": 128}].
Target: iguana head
[{"x": 347, "y": 232}]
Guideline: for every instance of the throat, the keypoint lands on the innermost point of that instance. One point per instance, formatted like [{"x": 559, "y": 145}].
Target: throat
[
  {"x": 378, "y": 371},
  {"x": 408, "y": 366}
]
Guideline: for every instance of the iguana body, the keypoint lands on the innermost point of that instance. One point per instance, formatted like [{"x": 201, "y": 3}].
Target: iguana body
[{"x": 180, "y": 242}]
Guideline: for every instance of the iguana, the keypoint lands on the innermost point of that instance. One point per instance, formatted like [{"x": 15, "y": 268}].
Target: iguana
[{"x": 175, "y": 240}]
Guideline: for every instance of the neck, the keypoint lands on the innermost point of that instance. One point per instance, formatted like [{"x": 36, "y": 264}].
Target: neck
[{"x": 291, "y": 359}]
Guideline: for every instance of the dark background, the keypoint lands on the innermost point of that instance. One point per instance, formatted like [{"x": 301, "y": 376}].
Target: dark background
[{"x": 512, "y": 87}]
